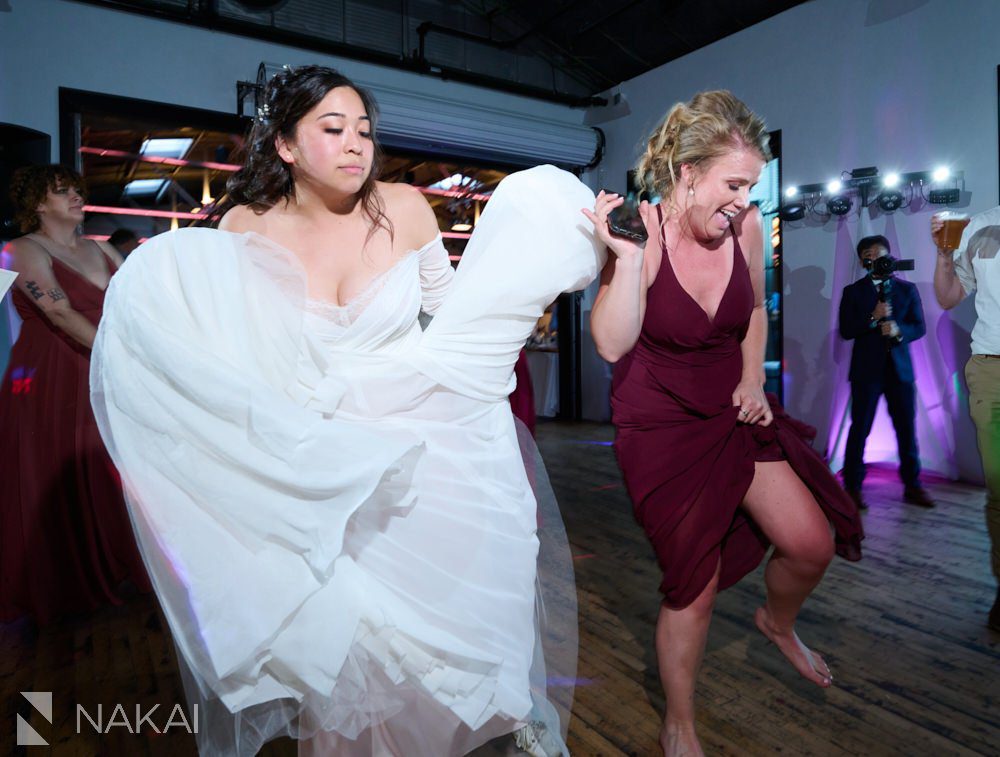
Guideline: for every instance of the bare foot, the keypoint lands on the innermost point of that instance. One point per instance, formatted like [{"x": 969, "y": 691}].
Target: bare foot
[
  {"x": 680, "y": 742},
  {"x": 809, "y": 664}
]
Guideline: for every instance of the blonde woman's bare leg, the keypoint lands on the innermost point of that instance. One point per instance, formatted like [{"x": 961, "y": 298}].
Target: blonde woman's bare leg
[
  {"x": 790, "y": 517},
  {"x": 680, "y": 646}
]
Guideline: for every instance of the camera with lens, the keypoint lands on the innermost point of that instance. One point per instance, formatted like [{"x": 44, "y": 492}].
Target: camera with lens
[
  {"x": 883, "y": 268},
  {"x": 886, "y": 266}
]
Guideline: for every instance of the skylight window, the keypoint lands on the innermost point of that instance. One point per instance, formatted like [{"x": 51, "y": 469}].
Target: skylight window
[
  {"x": 143, "y": 187},
  {"x": 173, "y": 147}
]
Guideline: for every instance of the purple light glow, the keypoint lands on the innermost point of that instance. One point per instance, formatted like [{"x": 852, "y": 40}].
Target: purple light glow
[{"x": 21, "y": 379}]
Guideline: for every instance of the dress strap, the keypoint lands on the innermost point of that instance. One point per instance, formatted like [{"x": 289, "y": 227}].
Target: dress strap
[
  {"x": 661, "y": 234},
  {"x": 38, "y": 240},
  {"x": 738, "y": 256},
  {"x": 109, "y": 263}
]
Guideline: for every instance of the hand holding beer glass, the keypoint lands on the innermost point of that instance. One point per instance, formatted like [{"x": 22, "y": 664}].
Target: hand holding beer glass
[{"x": 946, "y": 230}]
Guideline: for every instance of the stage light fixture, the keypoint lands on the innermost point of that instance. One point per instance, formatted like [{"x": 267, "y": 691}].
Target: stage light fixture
[
  {"x": 890, "y": 200},
  {"x": 839, "y": 205},
  {"x": 943, "y": 196},
  {"x": 793, "y": 211},
  {"x": 941, "y": 173},
  {"x": 861, "y": 187},
  {"x": 864, "y": 173}
]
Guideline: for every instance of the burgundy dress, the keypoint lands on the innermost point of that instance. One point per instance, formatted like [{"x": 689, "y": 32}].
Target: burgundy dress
[
  {"x": 522, "y": 399},
  {"x": 686, "y": 460},
  {"x": 66, "y": 544}
]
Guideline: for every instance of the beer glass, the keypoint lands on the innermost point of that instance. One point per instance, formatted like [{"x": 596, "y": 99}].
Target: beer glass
[{"x": 953, "y": 224}]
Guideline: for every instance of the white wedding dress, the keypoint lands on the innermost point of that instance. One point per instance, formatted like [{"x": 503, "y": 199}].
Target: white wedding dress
[{"x": 332, "y": 502}]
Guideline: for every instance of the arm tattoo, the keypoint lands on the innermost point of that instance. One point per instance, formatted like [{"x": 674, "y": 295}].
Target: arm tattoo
[
  {"x": 33, "y": 290},
  {"x": 56, "y": 294}
]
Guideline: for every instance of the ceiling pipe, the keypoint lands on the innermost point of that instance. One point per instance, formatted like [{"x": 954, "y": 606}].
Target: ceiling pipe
[
  {"x": 427, "y": 27},
  {"x": 205, "y": 20}
]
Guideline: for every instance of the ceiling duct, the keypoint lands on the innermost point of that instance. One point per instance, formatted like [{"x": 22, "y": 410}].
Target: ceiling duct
[{"x": 259, "y": 6}]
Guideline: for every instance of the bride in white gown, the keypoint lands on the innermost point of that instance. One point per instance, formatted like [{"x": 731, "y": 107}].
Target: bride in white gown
[{"x": 332, "y": 503}]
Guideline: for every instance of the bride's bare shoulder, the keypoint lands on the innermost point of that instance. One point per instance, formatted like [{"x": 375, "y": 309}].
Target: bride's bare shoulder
[
  {"x": 242, "y": 218},
  {"x": 411, "y": 215}
]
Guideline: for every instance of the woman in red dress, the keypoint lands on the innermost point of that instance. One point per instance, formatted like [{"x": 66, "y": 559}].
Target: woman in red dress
[
  {"x": 716, "y": 471},
  {"x": 66, "y": 544}
]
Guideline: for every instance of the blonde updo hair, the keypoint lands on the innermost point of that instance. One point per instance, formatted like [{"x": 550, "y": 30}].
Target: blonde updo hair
[{"x": 697, "y": 132}]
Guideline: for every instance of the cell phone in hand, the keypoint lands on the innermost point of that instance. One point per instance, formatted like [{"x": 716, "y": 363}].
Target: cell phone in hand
[{"x": 625, "y": 221}]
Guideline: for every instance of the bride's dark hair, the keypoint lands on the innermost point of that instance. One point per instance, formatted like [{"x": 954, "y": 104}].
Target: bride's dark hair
[{"x": 265, "y": 179}]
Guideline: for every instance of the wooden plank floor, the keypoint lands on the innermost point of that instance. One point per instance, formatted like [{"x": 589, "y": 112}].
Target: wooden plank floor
[{"x": 916, "y": 670}]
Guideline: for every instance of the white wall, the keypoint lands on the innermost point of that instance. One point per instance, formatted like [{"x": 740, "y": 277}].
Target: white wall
[{"x": 899, "y": 84}]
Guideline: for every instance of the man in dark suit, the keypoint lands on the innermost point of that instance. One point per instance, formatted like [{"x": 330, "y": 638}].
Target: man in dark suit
[{"x": 882, "y": 316}]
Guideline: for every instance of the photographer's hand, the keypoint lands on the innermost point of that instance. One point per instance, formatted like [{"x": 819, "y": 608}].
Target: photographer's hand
[
  {"x": 889, "y": 328},
  {"x": 882, "y": 311}
]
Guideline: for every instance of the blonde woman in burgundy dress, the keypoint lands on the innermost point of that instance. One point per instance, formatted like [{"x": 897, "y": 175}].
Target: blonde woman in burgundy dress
[{"x": 717, "y": 472}]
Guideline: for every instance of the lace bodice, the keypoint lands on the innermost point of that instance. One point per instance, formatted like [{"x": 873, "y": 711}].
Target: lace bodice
[
  {"x": 346, "y": 314},
  {"x": 434, "y": 275},
  {"x": 384, "y": 316}
]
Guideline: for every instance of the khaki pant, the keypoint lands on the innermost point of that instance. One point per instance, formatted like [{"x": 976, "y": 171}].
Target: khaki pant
[{"x": 983, "y": 376}]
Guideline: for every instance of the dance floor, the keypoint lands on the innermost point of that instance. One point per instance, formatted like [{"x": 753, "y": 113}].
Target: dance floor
[{"x": 916, "y": 670}]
